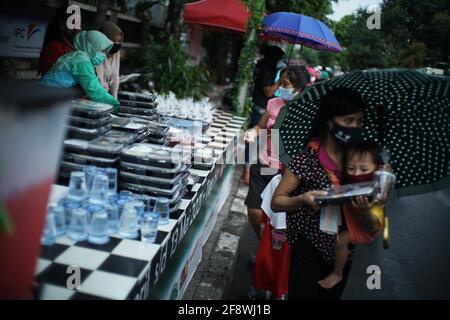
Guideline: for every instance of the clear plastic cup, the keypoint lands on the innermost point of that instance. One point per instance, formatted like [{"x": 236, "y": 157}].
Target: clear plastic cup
[
  {"x": 49, "y": 235},
  {"x": 77, "y": 186},
  {"x": 99, "y": 226},
  {"x": 162, "y": 208},
  {"x": 79, "y": 222},
  {"x": 149, "y": 227}
]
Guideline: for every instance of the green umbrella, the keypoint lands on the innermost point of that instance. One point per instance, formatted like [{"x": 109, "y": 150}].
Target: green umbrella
[{"x": 406, "y": 112}]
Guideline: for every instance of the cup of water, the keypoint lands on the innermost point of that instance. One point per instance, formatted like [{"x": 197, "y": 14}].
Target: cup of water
[
  {"x": 113, "y": 218},
  {"x": 162, "y": 208},
  {"x": 49, "y": 235},
  {"x": 149, "y": 227},
  {"x": 128, "y": 227},
  {"x": 98, "y": 229},
  {"x": 60, "y": 219},
  {"x": 69, "y": 207},
  {"x": 111, "y": 173},
  {"x": 79, "y": 222},
  {"x": 99, "y": 191},
  {"x": 77, "y": 186},
  {"x": 89, "y": 172}
]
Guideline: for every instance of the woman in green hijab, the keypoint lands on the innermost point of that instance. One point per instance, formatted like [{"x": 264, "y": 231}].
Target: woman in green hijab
[{"x": 77, "y": 67}]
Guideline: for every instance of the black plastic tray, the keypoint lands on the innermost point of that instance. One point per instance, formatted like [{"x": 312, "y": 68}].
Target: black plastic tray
[
  {"x": 90, "y": 160},
  {"x": 87, "y": 123},
  {"x": 90, "y": 109},
  {"x": 150, "y": 191},
  {"x": 137, "y": 111},
  {"x": 86, "y": 134},
  {"x": 155, "y": 172},
  {"x": 347, "y": 192},
  {"x": 166, "y": 184},
  {"x": 138, "y": 104},
  {"x": 155, "y": 155},
  {"x": 130, "y": 124},
  {"x": 136, "y": 96}
]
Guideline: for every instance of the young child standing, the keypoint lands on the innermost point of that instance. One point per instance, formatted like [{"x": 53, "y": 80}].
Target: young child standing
[{"x": 364, "y": 219}]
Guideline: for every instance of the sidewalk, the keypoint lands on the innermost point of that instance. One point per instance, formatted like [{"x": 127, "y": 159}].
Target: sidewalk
[{"x": 213, "y": 278}]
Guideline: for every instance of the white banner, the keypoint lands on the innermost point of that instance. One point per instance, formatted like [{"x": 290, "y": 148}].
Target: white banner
[{"x": 21, "y": 38}]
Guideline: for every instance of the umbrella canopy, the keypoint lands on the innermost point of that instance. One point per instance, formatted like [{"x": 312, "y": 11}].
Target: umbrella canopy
[
  {"x": 223, "y": 14},
  {"x": 299, "y": 29},
  {"x": 406, "y": 112}
]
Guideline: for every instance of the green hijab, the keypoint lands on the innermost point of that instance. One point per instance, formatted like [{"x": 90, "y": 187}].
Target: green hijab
[{"x": 92, "y": 42}]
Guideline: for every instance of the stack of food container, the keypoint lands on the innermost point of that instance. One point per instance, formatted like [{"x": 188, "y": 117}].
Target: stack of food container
[
  {"x": 155, "y": 170},
  {"x": 146, "y": 131},
  {"x": 89, "y": 120},
  {"x": 101, "y": 152},
  {"x": 141, "y": 105}
]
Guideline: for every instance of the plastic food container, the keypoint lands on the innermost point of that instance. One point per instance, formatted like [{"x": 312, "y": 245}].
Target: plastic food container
[
  {"x": 138, "y": 104},
  {"x": 137, "y": 111},
  {"x": 136, "y": 96},
  {"x": 90, "y": 160},
  {"x": 89, "y": 123},
  {"x": 90, "y": 109},
  {"x": 155, "y": 172},
  {"x": 86, "y": 134},
  {"x": 155, "y": 155},
  {"x": 130, "y": 124},
  {"x": 166, "y": 184}
]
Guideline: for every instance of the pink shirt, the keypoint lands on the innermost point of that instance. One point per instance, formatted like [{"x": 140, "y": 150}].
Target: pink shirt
[
  {"x": 327, "y": 163},
  {"x": 270, "y": 155}
]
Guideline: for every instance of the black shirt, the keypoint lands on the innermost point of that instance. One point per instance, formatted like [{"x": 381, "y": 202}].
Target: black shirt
[{"x": 265, "y": 74}]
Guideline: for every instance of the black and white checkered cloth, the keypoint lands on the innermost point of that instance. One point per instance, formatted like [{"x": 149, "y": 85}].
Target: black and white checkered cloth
[{"x": 128, "y": 269}]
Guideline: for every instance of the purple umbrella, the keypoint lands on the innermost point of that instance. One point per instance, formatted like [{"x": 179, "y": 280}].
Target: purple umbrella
[{"x": 299, "y": 29}]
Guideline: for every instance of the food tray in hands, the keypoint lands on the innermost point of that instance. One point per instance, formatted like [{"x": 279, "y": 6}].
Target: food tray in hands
[{"x": 347, "y": 192}]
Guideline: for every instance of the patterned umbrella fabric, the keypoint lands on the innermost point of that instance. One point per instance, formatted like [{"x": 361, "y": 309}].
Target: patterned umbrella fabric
[
  {"x": 299, "y": 29},
  {"x": 406, "y": 111}
]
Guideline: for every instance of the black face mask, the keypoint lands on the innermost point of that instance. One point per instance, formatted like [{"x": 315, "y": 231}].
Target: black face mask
[
  {"x": 115, "y": 48},
  {"x": 344, "y": 135}
]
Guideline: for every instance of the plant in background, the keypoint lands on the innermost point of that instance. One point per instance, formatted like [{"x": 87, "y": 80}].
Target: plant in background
[
  {"x": 172, "y": 72},
  {"x": 244, "y": 78}
]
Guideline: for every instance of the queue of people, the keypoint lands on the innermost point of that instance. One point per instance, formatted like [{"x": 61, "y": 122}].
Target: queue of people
[
  {"x": 89, "y": 60},
  {"x": 295, "y": 258}
]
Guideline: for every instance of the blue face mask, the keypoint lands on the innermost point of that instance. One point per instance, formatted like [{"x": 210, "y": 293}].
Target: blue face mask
[
  {"x": 98, "y": 59},
  {"x": 287, "y": 94}
]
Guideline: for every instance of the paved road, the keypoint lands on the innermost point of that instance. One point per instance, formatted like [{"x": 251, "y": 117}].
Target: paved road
[{"x": 416, "y": 266}]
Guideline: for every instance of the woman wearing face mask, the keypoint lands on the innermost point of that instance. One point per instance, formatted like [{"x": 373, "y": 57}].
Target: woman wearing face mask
[
  {"x": 109, "y": 71},
  {"x": 77, "y": 67},
  {"x": 317, "y": 167},
  {"x": 292, "y": 81}
]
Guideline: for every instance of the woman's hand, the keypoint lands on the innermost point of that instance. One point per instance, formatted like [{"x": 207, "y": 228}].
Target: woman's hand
[{"x": 309, "y": 198}]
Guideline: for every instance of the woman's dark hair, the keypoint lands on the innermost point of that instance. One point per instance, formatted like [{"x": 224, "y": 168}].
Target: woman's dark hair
[
  {"x": 53, "y": 29},
  {"x": 297, "y": 75},
  {"x": 370, "y": 147},
  {"x": 337, "y": 102}
]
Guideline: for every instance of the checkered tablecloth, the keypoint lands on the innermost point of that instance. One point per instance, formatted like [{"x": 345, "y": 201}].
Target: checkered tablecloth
[{"x": 128, "y": 269}]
